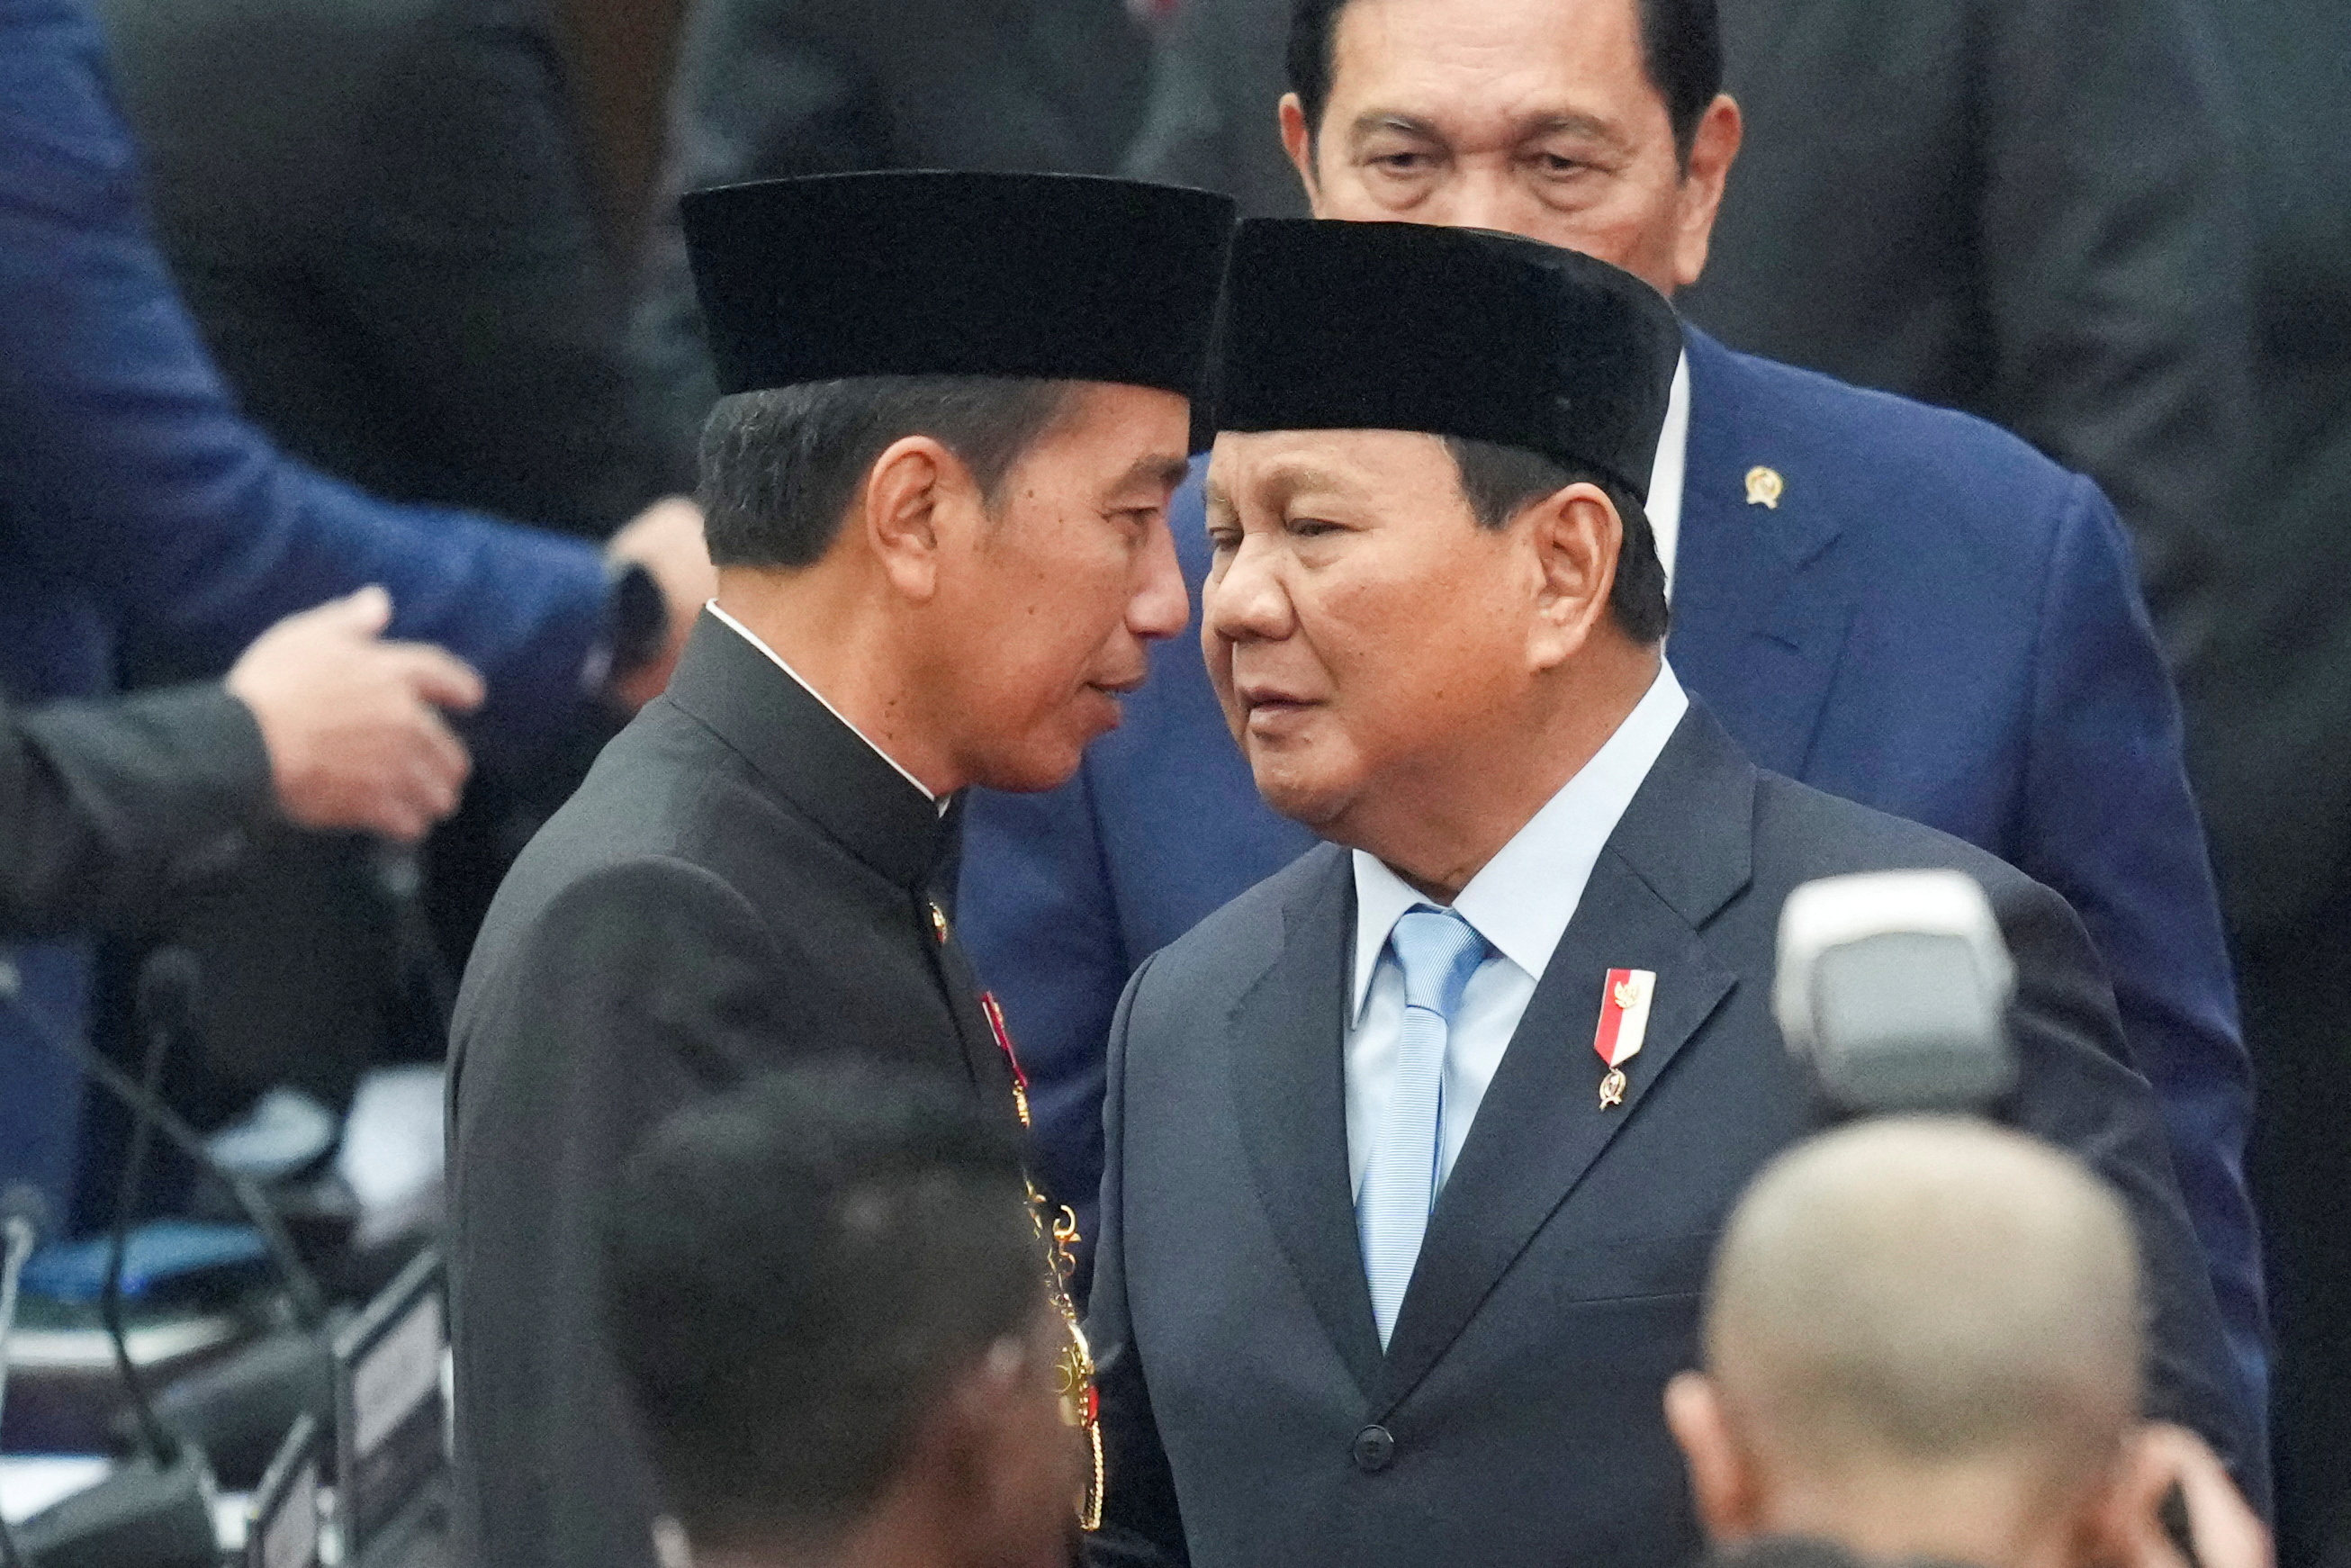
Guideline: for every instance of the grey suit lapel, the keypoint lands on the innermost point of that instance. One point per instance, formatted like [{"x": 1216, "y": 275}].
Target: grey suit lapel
[
  {"x": 1286, "y": 1037},
  {"x": 1683, "y": 849}
]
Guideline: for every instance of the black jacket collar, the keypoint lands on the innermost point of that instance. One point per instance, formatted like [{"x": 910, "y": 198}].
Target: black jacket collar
[{"x": 810, "y": 757}]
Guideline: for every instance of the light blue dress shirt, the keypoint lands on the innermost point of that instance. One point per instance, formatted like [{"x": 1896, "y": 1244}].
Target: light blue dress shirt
[{"x": 1520, "y": 903}]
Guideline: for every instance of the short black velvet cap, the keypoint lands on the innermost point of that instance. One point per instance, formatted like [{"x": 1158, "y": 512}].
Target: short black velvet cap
[
  {"x": 1060, "y": 277},
  {"x": 1461, "y": 332}
]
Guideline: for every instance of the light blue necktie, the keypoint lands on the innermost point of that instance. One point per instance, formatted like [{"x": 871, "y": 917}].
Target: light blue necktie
[{"x": 1438, "y": 951}]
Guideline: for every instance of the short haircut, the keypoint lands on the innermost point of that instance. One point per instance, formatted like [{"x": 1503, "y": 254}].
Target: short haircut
[
  {"x": 1499, "y": 481},
  {"x": 1912, "y": 1293},
  {"x": 780, "y": 467},
  {"x": 1681, "y": 48},
  {"x": 796, "y": 1272}
]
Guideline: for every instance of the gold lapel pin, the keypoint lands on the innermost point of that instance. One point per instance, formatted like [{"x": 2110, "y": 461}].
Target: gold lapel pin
[{"x": 1764, "y": 487}]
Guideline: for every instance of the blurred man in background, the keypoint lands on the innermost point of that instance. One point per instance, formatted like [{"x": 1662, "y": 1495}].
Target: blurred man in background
[
  {"x": 382, "y": 218},
  {"x": 1923, "y": 1343},
  {"x": 2269, "y": 723},
  {"x": 134, "y": 498},
  {"x": 105, "y": 803},
  {"x": 2029, "y": 211},
  {"x": 825, "y": 1295},
  {"x": 772, "y": 88}
]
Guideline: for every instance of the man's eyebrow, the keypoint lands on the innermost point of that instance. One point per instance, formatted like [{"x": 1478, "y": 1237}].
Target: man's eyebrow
[
  {"x": 1374, "y": 120},
  {"x": 1220, "y": 500},
  {"x": 1371, "y": 123},
  {"x": 1589, "y": 125},
  {"x": 1160, "y": 469}
]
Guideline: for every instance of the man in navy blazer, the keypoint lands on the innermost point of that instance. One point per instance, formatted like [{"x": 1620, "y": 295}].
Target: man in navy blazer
[
  {"x": 1896, "y": 604},
  {"x": 1416, "y": 1150},
  {"x": 133, "y": 493}
]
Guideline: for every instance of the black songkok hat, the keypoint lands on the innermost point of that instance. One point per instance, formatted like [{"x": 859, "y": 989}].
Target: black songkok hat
[
  {"x": 1462, "y": 332},
  {"x": 1061, "y": 278}
]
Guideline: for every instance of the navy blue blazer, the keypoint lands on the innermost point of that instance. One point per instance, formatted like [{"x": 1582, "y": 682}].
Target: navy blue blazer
[
  {"x": 131, "y": 492},
  {"x": 1515, "y": 1415},
  {"x": 1934, "y": 621}
]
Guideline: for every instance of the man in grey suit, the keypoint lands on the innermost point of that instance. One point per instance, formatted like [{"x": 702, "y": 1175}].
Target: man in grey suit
[{"x": 1415, "y": 1154}]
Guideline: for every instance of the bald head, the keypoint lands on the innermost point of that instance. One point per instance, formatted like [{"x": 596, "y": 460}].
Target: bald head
[{"x": 1922, "y": 1292}]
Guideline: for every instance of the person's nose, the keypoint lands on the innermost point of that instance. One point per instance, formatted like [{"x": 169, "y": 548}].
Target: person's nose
[
  {"x": 1160, "y": 608},
  {"x": 1479, "y": 196},
  {"x": 1247, "y": 601}
]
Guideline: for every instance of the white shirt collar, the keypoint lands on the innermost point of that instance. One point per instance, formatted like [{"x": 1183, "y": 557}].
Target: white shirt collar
[
  {"x": 1664, "y": 508},
  {"x": 1522, "y": 900},
  {"x": 777, "y": 660}
]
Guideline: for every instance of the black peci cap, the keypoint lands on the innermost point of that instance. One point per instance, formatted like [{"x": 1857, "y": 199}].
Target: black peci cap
[
  {"x": 1061, "y": 278},
  {"x": 1462, "y": 332}
]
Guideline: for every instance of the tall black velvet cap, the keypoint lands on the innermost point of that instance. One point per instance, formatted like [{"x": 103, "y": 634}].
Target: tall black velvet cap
[
  {"x": 1462, "y": 332},
  {"x": 1060, "y": 277}
]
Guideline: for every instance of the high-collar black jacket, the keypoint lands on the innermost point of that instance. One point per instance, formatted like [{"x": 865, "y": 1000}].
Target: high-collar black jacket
[{"x": 741, "y": 884}]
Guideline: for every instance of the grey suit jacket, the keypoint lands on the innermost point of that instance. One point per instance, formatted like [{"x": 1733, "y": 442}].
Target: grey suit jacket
[{"x": 1515, "y": 1417}]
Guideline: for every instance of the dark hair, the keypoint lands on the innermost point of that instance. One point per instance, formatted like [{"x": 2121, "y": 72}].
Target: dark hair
[
  {"x": 796, "y": 1272},
  {"x": 780, "y": 468},
  {"x": 1681, "y": 47},
  {"x": 1501, "y": 482}
]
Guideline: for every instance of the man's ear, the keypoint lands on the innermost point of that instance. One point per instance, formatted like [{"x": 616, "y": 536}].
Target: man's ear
[
  {"x": 1712, "y": 151},
  {"x": 1298, "y": 140},
  {"x": 1724, "y": 1486},
  {"x": 1577, "y": 538},
  {"x": 914, "y": 494}
]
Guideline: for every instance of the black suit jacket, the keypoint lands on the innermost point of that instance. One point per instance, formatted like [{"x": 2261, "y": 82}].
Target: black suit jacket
[
  {"x": 741, "y": 884},
  {"x": 2268, "y": 706},
  {"x": 380, "y": 213},
  {"x": 103, "y": 804},
  {"x": 770, "y": 88},
  {"x": 2027, "y": 209},
  {"x": 1515, "y": 1417}
]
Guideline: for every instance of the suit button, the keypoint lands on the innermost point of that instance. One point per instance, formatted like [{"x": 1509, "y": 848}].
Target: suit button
[{"x": 1374, "y": 1449}]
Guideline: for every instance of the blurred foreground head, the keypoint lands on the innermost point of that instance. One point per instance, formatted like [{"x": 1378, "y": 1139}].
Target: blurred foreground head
[
  {"x": 1923, "y": 1340},
  {"x": 826, "y": 1299}
]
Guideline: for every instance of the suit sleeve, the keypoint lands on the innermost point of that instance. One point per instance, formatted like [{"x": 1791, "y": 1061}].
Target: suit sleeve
[
  {"x": 637, "y": 989},
  {"x": 2111, "y": 232},
  {"x": 1141, "y": 1526},
  {"x": 1037, "y": 912},
  {"x": 2105, "y": 749},
  {"x": 101, "y": 804},
  {"x": 2077, "y": 1089},
  {"x": 125, "y": 467}
]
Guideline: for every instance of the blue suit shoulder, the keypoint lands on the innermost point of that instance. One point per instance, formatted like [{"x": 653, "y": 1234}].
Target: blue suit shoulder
[
  {"x": 1862, "y": 428},
  {"x": 1891, "y": 471}
]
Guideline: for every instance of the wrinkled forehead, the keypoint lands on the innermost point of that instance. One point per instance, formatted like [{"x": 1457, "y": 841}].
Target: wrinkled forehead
[
  {"x": 1277, "y": 471},
  {"x": 1497, "y": 66}
]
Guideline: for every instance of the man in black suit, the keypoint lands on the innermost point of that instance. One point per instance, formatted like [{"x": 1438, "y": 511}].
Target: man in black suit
[
  {"x": 1415, "y": 1154},
  {"x": 936, "y": 493},
  {"x": 106, "y": 805},
  {"x": 2269, "y": 727},
  {"x": 2028, "y": 210}
]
